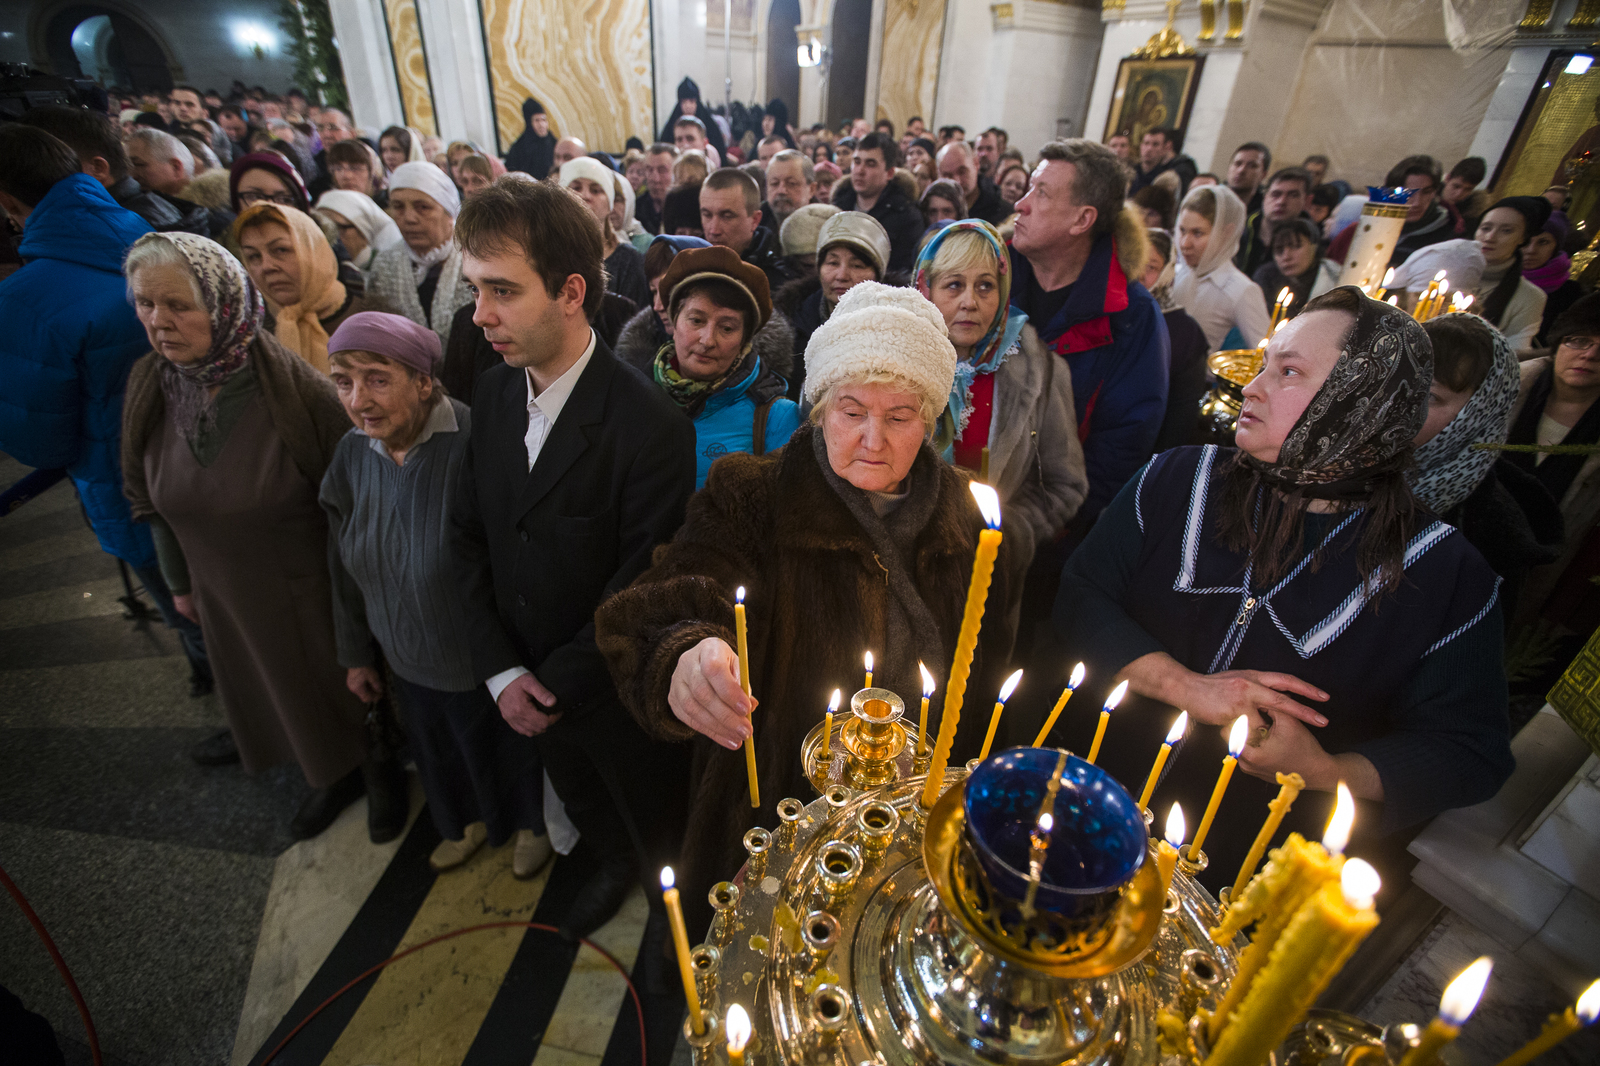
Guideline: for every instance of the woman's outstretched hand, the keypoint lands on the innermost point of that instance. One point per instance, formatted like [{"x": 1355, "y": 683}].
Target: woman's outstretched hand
[
  {"x": 705, "y": 694},
  {"x": 1217, "y": 699}
]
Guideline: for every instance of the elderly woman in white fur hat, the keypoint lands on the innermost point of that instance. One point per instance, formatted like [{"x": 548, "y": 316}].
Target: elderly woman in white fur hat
[
  {"x": 421, "y": 278},
  {"x": 855, "y": 536},
  {"x": 596, "y": 185}
]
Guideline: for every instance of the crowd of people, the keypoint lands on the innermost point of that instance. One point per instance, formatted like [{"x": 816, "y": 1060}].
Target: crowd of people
[{"x": 422, "y": 451}]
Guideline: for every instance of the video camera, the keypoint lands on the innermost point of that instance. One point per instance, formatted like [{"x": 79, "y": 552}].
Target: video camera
[{"x": 22, "y": 88}]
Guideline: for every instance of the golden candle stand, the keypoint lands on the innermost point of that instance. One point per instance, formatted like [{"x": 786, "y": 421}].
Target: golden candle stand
[{"x": 1219, "y": 408}]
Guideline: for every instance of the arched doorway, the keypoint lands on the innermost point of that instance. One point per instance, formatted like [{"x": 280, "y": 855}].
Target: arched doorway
[
  {"x": 851, "y": 33},
  {"x": 103, "y": 44},
  {"x": 783, "y": 70}
]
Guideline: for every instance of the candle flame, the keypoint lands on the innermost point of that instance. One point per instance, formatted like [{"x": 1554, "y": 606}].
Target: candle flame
[
  {"x": 1010, "y": 686},
  {"x": 1047, "y": 822},
  {"x": 1280, "y": 325},
  {"x": 868, "y": 660},
  {"x": 738, "y": 1028},
  {"x": 1337, "y": 834},
  {"x": 1388, "y": 277},
  {"x": 1264, "y": 341},
  {"x": 1440, "y": 276},
  {"x": 988, "y": 503},
  {"x": 1176, "y": 827},
  {"x": 1461, "y": 996},
  {"x": 1238, "y": 735},
  {"x": 833, "y": 704},
  {"x": 927, "y": 680},
  {"x": 738, "y": 596},
  {"x": 1288, "y": 297},
  {"x": 1393, "y": 301},
  {"x": 1589, "y": 1004},
  {"x": 1359, "y": 882},
  {"x": 1077, "y": 677},
  {"x": 1116, "y": 696},
  {"x": 667, "y": 878},
  {"x": 1180, "y": 725},
  {"x": 1284, "y": 294},
  {"x": 1467, "y": 301}
]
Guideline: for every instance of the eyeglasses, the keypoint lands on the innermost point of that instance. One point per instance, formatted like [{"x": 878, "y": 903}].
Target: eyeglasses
[
  {"x": 253, "y": 196},
  {"x": 1580, "y": 344}
]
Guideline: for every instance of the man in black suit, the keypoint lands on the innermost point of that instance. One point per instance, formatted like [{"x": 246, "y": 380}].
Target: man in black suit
[{"x": 578, "y": 466}]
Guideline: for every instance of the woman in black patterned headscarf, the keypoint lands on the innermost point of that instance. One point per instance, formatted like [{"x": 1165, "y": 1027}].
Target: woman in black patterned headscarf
[{"x": 1296, "y": 581}]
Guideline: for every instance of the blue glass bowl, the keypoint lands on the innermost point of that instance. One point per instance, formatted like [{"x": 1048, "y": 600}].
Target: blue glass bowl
[{"x": 1097, "y": 843}]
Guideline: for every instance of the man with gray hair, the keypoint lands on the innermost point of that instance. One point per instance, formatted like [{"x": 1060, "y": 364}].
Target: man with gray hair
[
  {"x": 791, "y": 183},
  {"x": 159, "y": 161}
]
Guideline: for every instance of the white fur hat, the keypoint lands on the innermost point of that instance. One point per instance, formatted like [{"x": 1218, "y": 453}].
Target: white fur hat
[
  {"x": 883, "y": 329},
  {"x": 588, "y": 167}
]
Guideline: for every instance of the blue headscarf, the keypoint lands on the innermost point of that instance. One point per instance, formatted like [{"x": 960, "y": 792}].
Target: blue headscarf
[{"x": 991, "y": 351}]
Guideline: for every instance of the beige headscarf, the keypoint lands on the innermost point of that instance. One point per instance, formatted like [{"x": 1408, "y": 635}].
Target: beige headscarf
[{"x": 298, "y": 325}]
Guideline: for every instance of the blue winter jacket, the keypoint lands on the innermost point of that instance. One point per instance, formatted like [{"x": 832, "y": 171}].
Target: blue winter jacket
[
  {"x": 727, "y": 421},
  {"x": 1112, "y": 335},
  {"x": 69, "y": 338}
]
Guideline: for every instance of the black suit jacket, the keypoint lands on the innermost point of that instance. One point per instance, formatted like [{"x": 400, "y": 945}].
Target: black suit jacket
[{"x": 536, "y": 551}]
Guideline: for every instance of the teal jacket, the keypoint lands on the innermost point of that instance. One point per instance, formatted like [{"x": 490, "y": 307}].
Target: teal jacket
[{"x": 726, "y": 422}]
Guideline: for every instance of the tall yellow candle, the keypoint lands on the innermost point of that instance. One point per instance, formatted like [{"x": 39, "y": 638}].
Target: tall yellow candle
[
  {"x": 744, "y": 683},
  {"x": 1236, "y": 739},
  {"x": 1290, "y": 786},
  {"x": 1105, "y": 718},
  {"x": 827, "y": 722},
  {"x": 1179, "y": 726},
  {"x": 738, "y": 1030},
  {"x": 999, "y": 705},
  {"x": 1558, "y": 1027},
  {"x": 1167, "y": 849},
  {"x": 1460, "y": 999},
  {"x": 868, "y": 659},
  {"x": 680, "y": 941},
  {"x": 922, "y": 719},
  {"x": 1066, "y": 694},
  {"x": 967, "y": 640},
  {"x": 1319, "y": 939}
]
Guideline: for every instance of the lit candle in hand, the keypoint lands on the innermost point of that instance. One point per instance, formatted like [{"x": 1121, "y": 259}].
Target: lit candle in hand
[
  {"x": 744, "y": 683},
  {"x": 1167, "y": 849},
  {"x": 680, "y": 941},
  {"x": 1236, "y": 739},
  {"x": 922, "y": 719},
  {"x": 999, "y": 705},
  {"x": 1105, "y": 718},
  {"x": 1066, "y": 694},
  {"x": 738, "y": 1028},
  {"x": 1558, "y": 1027},
  {"x": 1180, "y": 725},
  {"x": 868, "y": 660},
  {"x": 1460, "y": 999}
]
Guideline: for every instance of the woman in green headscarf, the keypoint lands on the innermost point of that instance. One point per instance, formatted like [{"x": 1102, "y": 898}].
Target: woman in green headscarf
[{"x": 1010, "y": 419}]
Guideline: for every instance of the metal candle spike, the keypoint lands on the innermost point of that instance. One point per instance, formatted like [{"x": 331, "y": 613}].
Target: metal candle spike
[{"x": 1039, "y": 839}]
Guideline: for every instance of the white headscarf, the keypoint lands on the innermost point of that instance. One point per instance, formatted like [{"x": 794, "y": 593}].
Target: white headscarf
[
  {"x": 1461, "y": 260},
  {"x": 593, "y": 169},
  {"x": 429, "y": 180},
  {"x": 1220, "y": 249},
  {"x": 365, "y": 215}
]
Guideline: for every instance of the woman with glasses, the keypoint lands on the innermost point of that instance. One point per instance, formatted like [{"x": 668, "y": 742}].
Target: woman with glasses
[
  {"x": 266, "y": 177},
  {"x": 1556, "y": 406},
  {"x": 355, "y": 167}
]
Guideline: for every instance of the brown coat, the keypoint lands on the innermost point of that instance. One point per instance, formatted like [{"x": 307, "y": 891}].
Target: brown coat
[{"x": 816, "y": 600}]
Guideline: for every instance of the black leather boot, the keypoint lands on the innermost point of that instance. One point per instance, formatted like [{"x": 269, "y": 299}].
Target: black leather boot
[
  {"x": 388, "y": 799},
  {"x": 325, "y": 804}
]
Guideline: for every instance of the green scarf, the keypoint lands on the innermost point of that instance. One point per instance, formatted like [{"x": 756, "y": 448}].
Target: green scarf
[{"x": 686, "y": 392}]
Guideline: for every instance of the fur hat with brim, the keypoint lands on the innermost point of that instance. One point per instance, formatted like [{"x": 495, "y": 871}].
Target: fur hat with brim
[
  {"x": 859, "y": 232},
  {"x": 799, "y": 230},
  {"x": 717, "y": 263},
  {"x": 882, "y": 329},
  {"x": 1582, "y": 319}
]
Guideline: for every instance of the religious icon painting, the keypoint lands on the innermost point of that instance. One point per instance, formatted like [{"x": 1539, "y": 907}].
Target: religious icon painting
[
  {"x": 1557, "y": 139},
  {"x": 1153, "y": 94}
]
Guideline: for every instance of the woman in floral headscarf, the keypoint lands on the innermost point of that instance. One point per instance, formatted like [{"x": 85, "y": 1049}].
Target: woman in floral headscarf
[
  {"x": 1010, "y": 417},
  {"x": 225, "y": 437},
  {"x": 1297, "y": 583}
]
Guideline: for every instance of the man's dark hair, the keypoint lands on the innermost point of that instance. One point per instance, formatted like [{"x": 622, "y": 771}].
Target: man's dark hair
[
  {"x": 681, "y": 210},
  {"x": 1471, "y": 169},
  {"x": 1158, "y": 198},
  {"x": 662, "y": 148},
  {"x": 32, "y": 161},
  {"x": 186, "y": 88},
  {"x": 689, "y": 120},
  {"x": 1327, "y": 195},
  {"x": 740, "y": 179},
  {"x": 1415, "y": 164},
  {"x": 772, "y": 138},
  {"x": 553, "y": 229},
  {"x": 1205, "y": 174},
  {"x": 999, "y": 134},
  {"x": 351, "y": 152},
  {"x": 1299, "y": 174},
  {"x": 883, "y": 143},
  {"x": 914, "y": 118},
  {"x": 845, "y": 142},
  {"x": 1292, "y": 232},
  {"x": 1256, "y": 146},
  {"x": 882, "y": 124},
  {"x": 1173, "y": 138},
  {"x": 1310, "y": 159},
  {"x": 1099, "y": 178},
  {"x": 85, "y": 132},
  {"x": 1463, "y": 351}
]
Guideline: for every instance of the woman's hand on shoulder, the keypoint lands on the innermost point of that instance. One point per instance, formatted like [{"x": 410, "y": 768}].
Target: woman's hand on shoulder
[{"x": 705, "y": 694}]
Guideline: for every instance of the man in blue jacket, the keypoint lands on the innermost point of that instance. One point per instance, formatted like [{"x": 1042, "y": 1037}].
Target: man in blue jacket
[
  {"x": 70, "y": 337},
  {"x": 1105, "y": 325}
]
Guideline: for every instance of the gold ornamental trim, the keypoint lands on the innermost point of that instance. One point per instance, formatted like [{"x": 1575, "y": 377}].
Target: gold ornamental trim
[
  {"x": 1537, "y": 17},
  {"x": 1208, "y": 19},
  {"x": 1235, "y": 20},
  {"x": 1585, "y": 18},
  {"x": 1372, "y": 210},
  {"x": 1168, "y": 42},
  {"x": 1576, "y": 697}
]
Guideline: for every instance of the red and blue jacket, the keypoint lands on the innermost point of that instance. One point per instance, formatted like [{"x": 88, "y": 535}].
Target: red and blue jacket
[{"x": 1111, "y": 333}]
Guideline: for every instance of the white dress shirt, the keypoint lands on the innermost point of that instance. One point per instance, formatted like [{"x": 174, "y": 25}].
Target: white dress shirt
[{"x": 543, "y": 410}]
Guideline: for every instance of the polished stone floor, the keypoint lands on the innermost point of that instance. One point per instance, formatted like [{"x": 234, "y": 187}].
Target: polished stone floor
[{"x": 199, "y": 932}]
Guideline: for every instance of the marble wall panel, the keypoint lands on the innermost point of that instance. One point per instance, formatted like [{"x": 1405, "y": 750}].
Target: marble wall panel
[
  {"x": 908, "y": 73},
  {"x": 587, "y": 61},
  {"x": 410, "y": 64}
]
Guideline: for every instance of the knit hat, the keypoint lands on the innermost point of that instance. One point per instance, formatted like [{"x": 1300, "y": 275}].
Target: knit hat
[
  {"x": 681, "y": 209},
  {"x": 428, "y": 179},
  {"x": 1582, "y": 319},
  {"x": 593, "y": 169},
  {"x": 926, "y": 145},
  {"x": 859, "y": 232},
  {"x": 881, "y": 329},
  {"x": 391, "y": 336},
  {"x": 1535, "y": 212},
  {"x": 721, "y": 264},
  {"x": 272, "y": 163},
  {"x": 799, "y": 231},
  {"x": 827, "y": 173}
]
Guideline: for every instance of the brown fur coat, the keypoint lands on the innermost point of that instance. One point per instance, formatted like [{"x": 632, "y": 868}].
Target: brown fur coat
[{"x": 816, "y": 600}]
